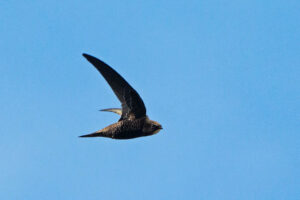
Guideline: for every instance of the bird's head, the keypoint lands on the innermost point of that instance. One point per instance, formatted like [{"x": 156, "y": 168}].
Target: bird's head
[{"x": 151, "y": 127}]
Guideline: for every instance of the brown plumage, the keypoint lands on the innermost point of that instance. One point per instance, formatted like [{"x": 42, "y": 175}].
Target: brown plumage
[{"x": 133, "y": 122}]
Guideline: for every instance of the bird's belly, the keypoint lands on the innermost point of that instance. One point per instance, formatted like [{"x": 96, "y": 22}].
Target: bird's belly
[{"x": 128, "y": 134}]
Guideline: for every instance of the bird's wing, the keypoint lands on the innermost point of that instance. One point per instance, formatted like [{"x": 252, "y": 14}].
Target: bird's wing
[
  {"x": 132, "y": 104},
  {"x": 114, "y": 110}
]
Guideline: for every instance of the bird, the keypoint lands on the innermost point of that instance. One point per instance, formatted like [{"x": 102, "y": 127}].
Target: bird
[{"x": 133, "y": 120}]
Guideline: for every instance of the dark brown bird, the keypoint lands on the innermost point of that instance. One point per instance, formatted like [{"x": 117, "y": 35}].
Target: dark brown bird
[{"x": 133, "y": 122}]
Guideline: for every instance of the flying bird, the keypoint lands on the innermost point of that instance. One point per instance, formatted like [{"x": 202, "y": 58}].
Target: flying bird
[{"x": 133, "y": 122}]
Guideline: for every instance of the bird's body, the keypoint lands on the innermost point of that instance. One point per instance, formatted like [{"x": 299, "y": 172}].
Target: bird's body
[
  {"x": 133, "y": 122},
  {"x": 124, "y": 129}
]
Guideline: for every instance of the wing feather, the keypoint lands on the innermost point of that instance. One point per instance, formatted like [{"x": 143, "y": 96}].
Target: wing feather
[{"x": 130, "y": 100}]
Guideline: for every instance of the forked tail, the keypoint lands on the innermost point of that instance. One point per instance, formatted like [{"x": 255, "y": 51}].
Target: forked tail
[{"x": 95, "y": 134}]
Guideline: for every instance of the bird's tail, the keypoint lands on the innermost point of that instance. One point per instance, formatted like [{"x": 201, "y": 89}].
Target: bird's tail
[{"x": 95, "y": 134}]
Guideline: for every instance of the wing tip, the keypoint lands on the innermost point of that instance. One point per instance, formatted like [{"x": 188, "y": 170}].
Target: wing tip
[
  {"x": 114, "y": 110},
  {"x": 86, "y": 55},
  {"x": 95, "y": 61}
]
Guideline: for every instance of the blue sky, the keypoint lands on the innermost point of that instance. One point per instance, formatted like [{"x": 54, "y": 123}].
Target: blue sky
[{"x": 222, "y": 77}]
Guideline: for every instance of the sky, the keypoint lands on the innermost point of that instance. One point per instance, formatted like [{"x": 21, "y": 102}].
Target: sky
[{"x": 222, "y": 77}]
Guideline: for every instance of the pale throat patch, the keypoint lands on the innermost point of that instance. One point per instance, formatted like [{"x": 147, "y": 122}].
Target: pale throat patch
[{"x": 156, "y": 131}]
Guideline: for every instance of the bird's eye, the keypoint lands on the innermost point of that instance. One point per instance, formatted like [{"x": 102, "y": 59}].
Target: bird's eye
[{"x": 155, "y": 127}]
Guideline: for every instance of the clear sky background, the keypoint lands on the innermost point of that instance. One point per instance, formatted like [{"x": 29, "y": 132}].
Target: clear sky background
[{"x": 222, "y": 77}]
